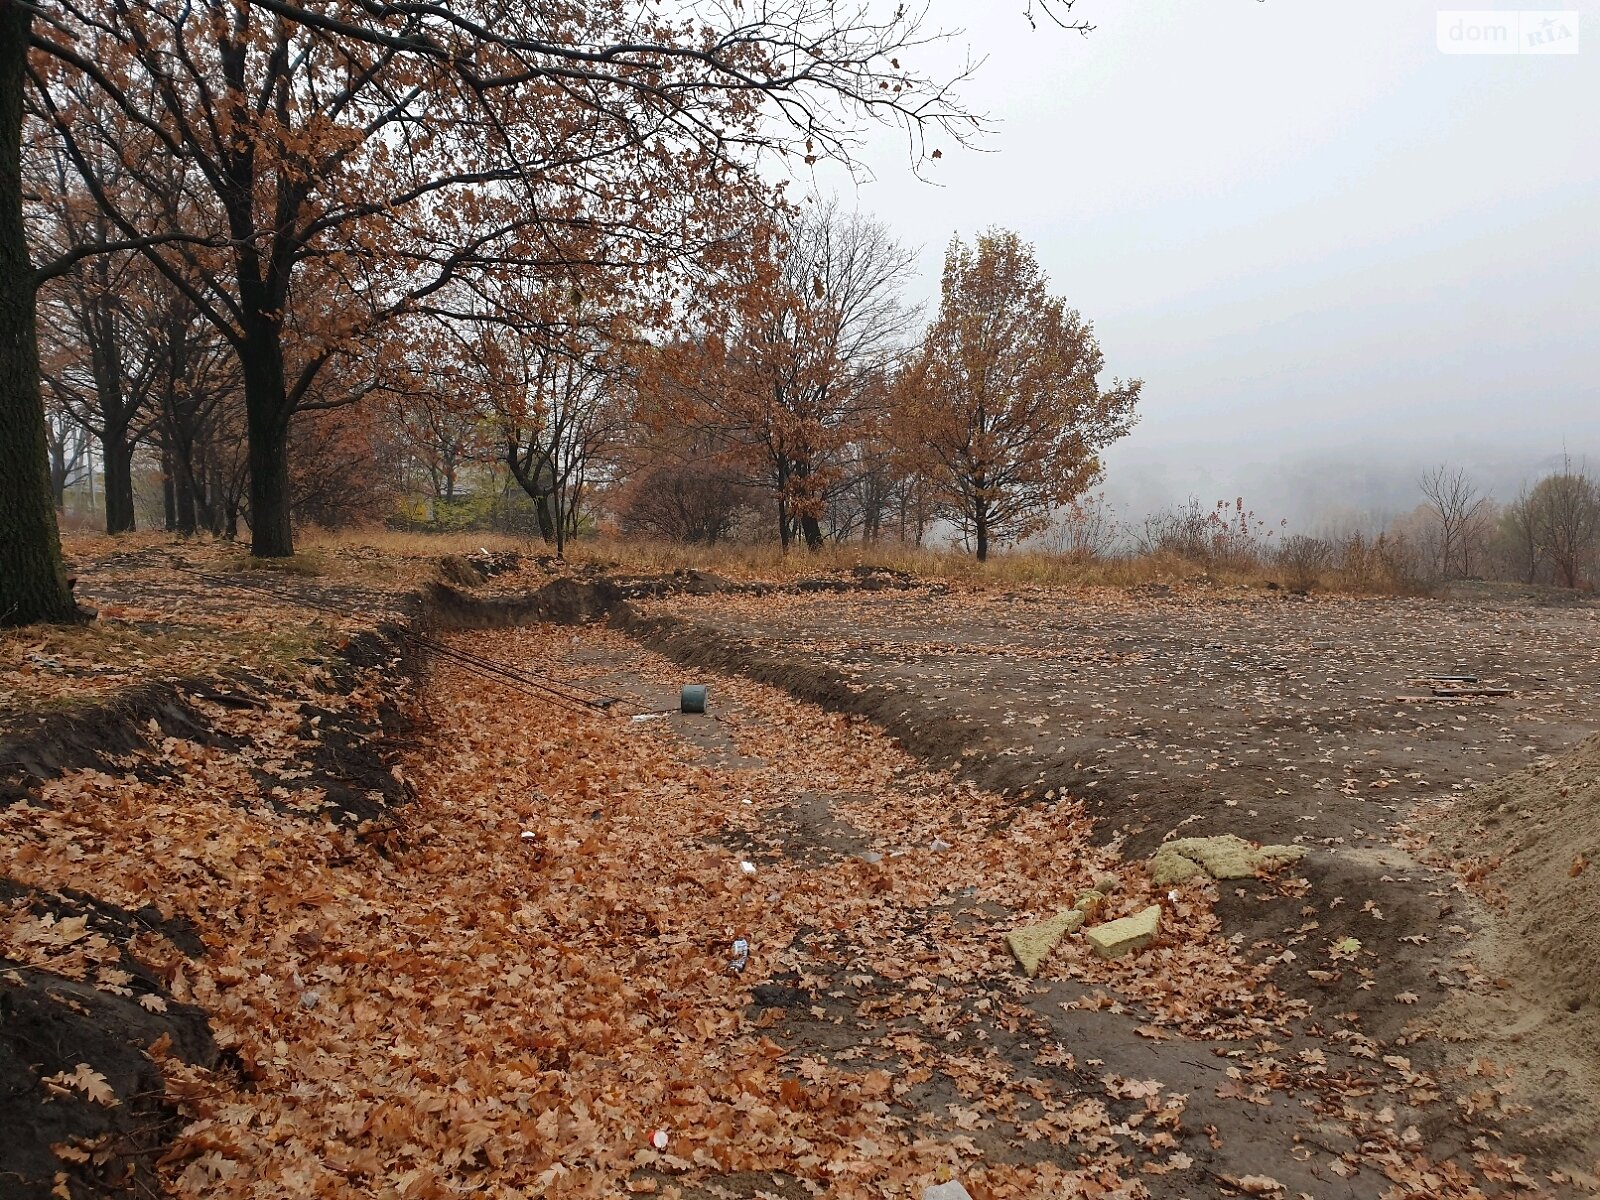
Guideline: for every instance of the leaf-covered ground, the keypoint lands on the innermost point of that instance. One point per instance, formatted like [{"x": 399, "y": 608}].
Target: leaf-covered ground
[{"x": 526, "y": 980}]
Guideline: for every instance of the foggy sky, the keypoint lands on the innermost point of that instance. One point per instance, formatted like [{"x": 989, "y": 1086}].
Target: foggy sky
[{"x": 1335, "y": 255}]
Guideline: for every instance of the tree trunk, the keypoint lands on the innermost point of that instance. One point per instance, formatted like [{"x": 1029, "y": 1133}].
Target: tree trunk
[
  {"x": 547, "y": 523},
  {"x": 33, "y": 581},
  {"x": 211, "y": 498},
  {"x": 558, "y": 515},
  {"x": 267, "y": 405},
  {"x": 118, "y": 457},
  {"x": 812, "y": 528},
  {"x": 784, "y": 530},
  {"x": 183, "y": 490},
  {"x": 58, "y": 474},
  {"x": 980, "y": 526},
  {"x": 169, "y": 485}
]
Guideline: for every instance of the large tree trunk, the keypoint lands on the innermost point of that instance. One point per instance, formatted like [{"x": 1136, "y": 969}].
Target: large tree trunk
[
  {"x": 33, "y": 581},
  {"x": 267, "y": 407},
  {"x": 812, "y": 528},
  {"x": 980, "y": 527},
  {"x": 184, "y": 488},
  {"x": 184, "y": 494},
  {"x": 547, "y": 523},
  {"x": 119, "y": 481},
  {"x": 186, "y": 478},
  {"x": 210, "y": 497}
]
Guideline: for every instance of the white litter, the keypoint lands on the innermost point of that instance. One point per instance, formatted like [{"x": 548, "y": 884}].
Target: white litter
[
  {"x": 741, "y": 954},
  {"x": 946, "y": 1191},
  {"x": 939, "y": 844},
  {"x": 658, "y": 1139},
  {"x": 748, "y": 867},
  {"x": 529, "y": 835}
]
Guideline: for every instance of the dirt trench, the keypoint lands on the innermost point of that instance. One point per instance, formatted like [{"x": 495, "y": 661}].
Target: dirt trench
[{"x": 112, "y": 1018}]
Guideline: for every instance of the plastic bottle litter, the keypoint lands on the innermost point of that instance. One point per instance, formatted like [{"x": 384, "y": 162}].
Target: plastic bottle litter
[{"x": 741, "y": 954}]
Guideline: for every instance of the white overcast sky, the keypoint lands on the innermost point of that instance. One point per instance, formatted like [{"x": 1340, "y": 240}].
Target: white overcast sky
[{"x": 1333, "y": 253}]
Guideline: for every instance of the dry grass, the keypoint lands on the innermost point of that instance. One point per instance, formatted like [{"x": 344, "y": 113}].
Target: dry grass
[
  {"x": 406, "y": 544},
  {"x": 395, "y": 558},
  {"x": 767, "y": 562},
  {"x": 1012, "y": 568}
]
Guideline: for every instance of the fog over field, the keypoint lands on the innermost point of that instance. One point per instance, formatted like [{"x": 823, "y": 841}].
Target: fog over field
[{"x": 1336, "y": 255}]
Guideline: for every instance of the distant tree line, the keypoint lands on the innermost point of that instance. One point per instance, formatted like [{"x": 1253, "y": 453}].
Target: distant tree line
[{"x": 1547, "y": 534}]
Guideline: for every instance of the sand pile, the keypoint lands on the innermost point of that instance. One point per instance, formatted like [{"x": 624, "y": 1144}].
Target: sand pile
[
  {"x": 1543, "y": 825},
  {"x": 1534, "y": 837}
]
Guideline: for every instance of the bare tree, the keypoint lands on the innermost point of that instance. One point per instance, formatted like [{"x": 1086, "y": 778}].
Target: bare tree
[
  {"x": 552, "y": 392},
  {"x": 1564, "y": 512},
  {"x": 1456, "y": 505},
  {"x": 1519, "y": 537}
]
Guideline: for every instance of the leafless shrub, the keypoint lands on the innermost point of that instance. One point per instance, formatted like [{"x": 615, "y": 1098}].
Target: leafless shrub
[
  {"x": 1083, "y": 531},
  {"x": 1304, "y": 559},
  {"x": 1227, "y": 535},
  {"x": 1385, "y": 564}
]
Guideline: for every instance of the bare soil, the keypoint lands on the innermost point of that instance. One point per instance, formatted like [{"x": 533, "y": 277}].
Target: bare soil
[{"x": 1530, "y": 848}]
